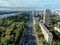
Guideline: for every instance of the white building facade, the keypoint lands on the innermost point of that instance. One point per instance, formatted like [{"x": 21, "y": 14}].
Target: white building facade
[
  {"x": 57, "y": 29},
  {"x": 47, "y": 35}
]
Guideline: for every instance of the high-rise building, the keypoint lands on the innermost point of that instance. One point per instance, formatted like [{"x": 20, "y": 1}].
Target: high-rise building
[
  {"x": 33, "y": 13},
  {"x": 46, "y": 17}
]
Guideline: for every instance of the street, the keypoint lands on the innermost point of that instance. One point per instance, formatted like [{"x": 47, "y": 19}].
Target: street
[{"x": 29, "y": 37}]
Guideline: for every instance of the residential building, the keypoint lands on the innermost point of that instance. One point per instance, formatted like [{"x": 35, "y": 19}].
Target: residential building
[{"x": 47, "y": 35}]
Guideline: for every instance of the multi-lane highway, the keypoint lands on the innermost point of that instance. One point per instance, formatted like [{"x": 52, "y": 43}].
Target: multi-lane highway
[{"x": 29, "y": 37}]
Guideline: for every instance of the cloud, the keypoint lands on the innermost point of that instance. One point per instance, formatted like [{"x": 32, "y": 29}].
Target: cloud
[
  {"x": 31, "y": 3},
  {"x": 4, "y": 3},
  {"x": 19, "y": 3}
]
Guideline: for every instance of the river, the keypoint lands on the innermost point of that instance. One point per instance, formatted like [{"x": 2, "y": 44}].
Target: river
[{"x": 7, "y": 15}]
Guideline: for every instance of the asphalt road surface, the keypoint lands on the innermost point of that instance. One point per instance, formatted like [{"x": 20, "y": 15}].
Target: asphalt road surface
[{"x": 28, "y": 37}]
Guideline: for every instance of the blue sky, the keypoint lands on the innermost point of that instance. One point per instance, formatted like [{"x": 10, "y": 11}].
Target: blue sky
[{"x": 52, "y": 4}]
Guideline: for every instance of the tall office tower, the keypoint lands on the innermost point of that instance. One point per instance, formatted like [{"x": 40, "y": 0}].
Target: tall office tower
[
  {"x": 33, "y": 13},
  {"x": 46, "y": 17}
]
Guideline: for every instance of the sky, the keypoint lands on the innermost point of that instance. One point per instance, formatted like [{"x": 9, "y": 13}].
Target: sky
[{"x": 50, "y": 4}]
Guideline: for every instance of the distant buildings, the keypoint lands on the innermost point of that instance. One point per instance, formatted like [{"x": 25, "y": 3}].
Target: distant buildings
[
  {"x": 57, "y": 13},
  {"x": 46, "y": 17},
  {"x": 35, "y": 17},
  {"x": 34, "y": 13},
  {"x": 41, "y": 12},
  {"x": 35, "y": 20}
]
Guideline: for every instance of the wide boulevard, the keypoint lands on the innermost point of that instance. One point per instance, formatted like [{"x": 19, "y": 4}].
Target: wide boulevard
[{"x": 29, "y": 37}]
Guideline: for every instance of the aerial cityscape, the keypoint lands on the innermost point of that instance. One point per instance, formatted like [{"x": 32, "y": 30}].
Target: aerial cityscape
[{"x": 29, "y": 22}]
